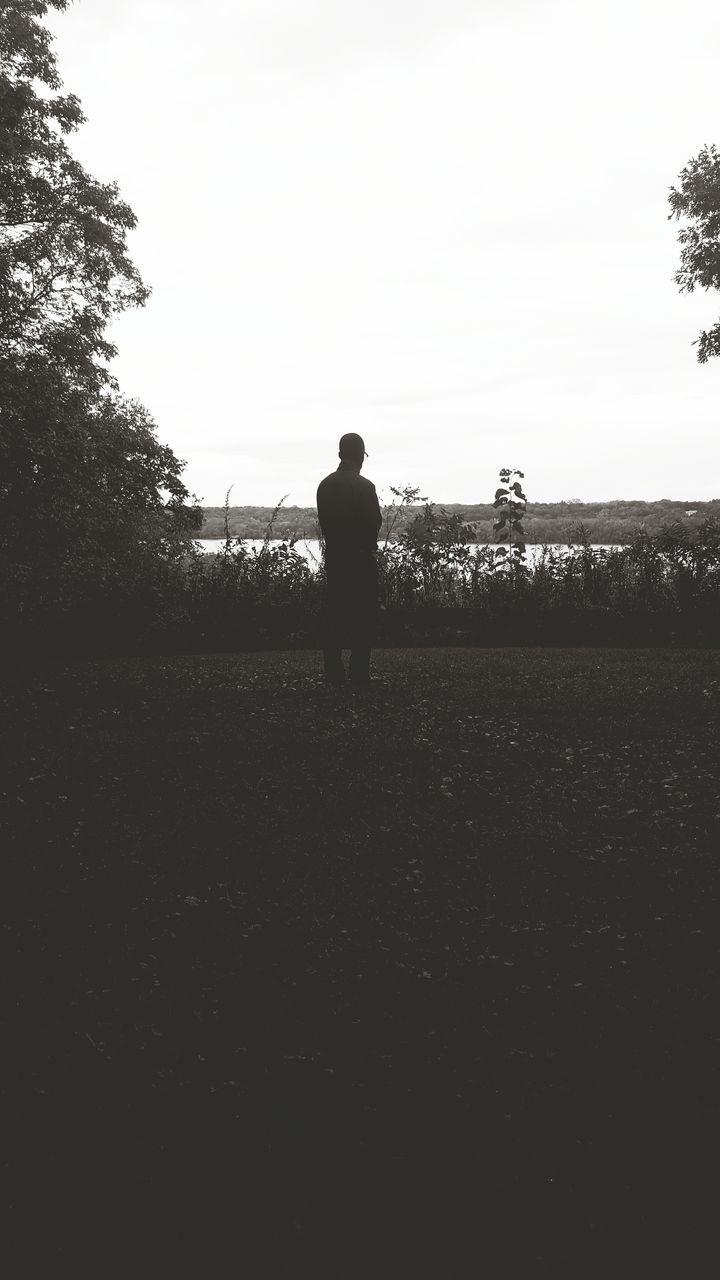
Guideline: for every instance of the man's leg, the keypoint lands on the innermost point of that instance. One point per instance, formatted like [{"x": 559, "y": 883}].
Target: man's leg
[
  {"x": 364, "y": 624},
  {"x": 332, "y": 639}
]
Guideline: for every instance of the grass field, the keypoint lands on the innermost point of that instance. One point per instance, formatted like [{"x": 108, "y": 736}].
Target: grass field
[{"x": 422, "y": 981}]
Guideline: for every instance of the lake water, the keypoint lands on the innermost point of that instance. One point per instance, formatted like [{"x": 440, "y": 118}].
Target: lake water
[{"x": 310, "y": 548}]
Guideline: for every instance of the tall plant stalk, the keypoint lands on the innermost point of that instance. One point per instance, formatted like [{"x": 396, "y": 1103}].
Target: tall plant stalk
[{"x": 511, "y": 503}]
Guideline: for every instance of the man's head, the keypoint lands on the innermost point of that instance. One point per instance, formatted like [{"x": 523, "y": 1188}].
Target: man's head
[{"x": 352, "y": 448}]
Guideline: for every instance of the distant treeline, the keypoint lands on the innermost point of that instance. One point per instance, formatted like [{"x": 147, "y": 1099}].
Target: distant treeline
[{"x": 545, "y": 522}]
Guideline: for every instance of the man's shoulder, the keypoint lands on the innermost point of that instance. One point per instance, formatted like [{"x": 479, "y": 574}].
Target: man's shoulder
[
  {"x": 325, "y": 479},
  {"x": 363, "y": 484},
  {"x": 345, "y": 478}
]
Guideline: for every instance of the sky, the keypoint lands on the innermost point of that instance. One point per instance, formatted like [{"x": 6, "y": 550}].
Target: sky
[{"x": 440, "y": 223}]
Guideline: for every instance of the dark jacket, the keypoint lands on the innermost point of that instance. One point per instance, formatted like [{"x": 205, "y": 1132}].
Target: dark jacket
[{"x": 349, "y": 512}]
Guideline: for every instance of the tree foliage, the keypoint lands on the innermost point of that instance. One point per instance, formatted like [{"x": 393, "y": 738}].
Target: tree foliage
[
  {"x": 697, "y": 199},
  {"x": 104, "y": 496},
  {"x": 64, "y": 268},
  {"x": 90, "y": 501}
]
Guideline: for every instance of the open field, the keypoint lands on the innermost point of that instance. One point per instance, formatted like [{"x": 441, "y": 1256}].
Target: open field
[{"x": 417, "y": 982}]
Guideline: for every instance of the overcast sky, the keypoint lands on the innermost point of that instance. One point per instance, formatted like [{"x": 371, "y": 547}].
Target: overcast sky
[{"x": 440, "y": 223}]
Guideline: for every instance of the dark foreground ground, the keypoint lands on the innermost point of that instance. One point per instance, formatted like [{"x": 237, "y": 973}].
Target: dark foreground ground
[{"x": 423, "y": 982}]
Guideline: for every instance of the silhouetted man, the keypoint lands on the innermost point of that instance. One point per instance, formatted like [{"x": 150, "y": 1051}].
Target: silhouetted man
[{"x": 350, "y": 519}]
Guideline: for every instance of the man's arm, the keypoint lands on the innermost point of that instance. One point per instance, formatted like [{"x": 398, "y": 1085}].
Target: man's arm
[
  {"x": 371, "y": 513},
  {"x": 319, "y": 506},
  {"x": 323, "y": 501}
]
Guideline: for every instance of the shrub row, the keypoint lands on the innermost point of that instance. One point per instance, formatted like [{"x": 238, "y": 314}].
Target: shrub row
[{"x": 658, "y": 590}]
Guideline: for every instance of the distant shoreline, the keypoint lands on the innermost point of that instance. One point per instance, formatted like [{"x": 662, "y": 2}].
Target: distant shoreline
[{"x": 603, "y": 523}]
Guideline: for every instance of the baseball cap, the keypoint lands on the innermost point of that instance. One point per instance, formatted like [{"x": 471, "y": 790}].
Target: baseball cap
[{"x": 352, "y": 445}]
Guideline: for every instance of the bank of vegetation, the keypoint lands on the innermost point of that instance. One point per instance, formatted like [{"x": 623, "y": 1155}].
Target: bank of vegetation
[
  {"x": 436, "y": 587},
  {"x": 556, "y": 523}
]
